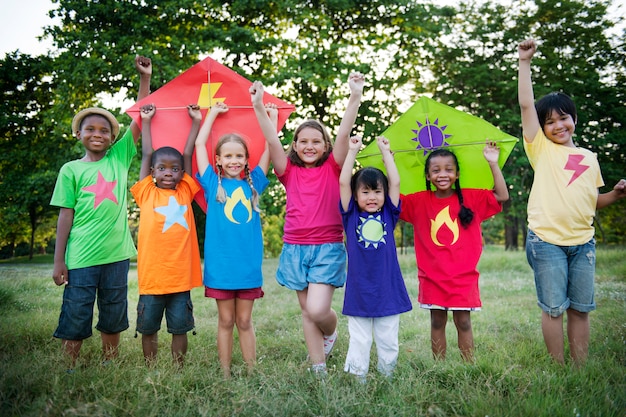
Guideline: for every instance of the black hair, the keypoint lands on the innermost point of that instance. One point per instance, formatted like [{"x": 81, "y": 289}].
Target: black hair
[
  {"x": 560, "y": 102},
  {"x": 167, "y": 151},
  {"x": 369, "y": 177},
  {"x": 465, "y": 213}
]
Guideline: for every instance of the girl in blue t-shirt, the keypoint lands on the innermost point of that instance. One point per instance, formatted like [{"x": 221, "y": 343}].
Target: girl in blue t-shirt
[{"x": 233, "y": 243}]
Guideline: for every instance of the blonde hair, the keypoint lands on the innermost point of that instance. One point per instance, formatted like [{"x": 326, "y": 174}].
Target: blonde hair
[{"x": 220, "y": 196}]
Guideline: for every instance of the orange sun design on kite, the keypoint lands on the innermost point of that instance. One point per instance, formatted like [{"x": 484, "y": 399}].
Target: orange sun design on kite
[{"x": 430, "y": 135}]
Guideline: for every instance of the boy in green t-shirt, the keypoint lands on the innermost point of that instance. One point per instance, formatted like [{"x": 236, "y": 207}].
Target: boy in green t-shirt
[{"x": 93, "y": 244}]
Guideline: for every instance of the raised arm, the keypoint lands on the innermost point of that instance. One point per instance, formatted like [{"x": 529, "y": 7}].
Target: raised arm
[
  {"x": 492, "y": 153},
  {"x": 144, "y": 67},
  {"x": 147, "y": 112},
  {"x": 345, "y": 178},
  {"x": 202, "y": 154},
  {"x": 356, "y": 82},
  {"x": 272, "y": 112},
  {"x": 526, "y": 97},
  {"x": 393, "y": 176},
  {"x": 276, "y": 151},
  {"x": 618, "y": 192},
  {"x": 196, "y": 118}
]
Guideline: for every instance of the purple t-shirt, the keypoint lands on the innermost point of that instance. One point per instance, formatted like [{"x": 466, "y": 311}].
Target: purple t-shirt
[{"x": 375, "y": 286}]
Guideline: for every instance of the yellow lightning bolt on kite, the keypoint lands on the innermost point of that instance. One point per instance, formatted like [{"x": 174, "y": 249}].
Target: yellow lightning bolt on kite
[{"x": 208, "y": 91}]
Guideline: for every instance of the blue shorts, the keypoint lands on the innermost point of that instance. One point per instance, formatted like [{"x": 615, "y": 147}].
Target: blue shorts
[
  {"x": 301, "y": 265},
  {"x": 109, "y": 284},
  {"x": 564, "y": 275},
  {"x": 178, "y": 313}
]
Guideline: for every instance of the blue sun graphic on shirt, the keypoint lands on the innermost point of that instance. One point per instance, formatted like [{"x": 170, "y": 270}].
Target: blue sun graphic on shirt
[{"x": 371, "y": 231}]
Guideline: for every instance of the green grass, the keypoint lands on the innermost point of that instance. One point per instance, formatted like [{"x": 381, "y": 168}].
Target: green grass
[{"x": 512, "y": 376}]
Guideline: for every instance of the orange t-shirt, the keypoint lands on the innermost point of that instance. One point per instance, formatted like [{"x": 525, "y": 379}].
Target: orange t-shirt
[{"x": 168, "y": 259}]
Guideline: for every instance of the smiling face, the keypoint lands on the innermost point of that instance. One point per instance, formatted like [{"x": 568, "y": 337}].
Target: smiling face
[
  {"x": 442, "y": 173},
  {"x": 167, "y": 171},
  {"x": 310, "y": 146},
  {"x": 370, "y": 200},
  {"x": 559, "y": 128},
  {"x": 95, "y": 134},
  {"x": 232, "y": 156}
]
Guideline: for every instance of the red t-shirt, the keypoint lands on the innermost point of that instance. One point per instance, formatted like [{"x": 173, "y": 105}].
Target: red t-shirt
[{"x": 447, "y": 253}]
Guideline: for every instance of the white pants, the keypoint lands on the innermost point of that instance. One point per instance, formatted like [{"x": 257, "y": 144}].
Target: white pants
[{"x": 385, "y": 333}]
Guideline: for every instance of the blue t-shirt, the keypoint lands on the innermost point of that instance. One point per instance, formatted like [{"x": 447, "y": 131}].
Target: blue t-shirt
[
  {"x": 233, "y": 242},
  {"x": 375, "y": 286}
]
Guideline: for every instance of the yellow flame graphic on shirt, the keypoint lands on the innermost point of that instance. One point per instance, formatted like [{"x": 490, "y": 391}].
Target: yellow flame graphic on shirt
[
  {"x": 444, "y": 219},
  {"x": 238, "y": 196}
]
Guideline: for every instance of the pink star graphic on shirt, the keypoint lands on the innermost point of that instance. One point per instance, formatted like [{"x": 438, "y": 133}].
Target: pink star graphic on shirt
[{"x": 103, "y": 189}]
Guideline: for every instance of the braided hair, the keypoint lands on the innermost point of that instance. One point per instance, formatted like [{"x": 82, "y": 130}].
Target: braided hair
[
  {"x": 220, "y": 196},
  {"x": 465, "y": 214}
]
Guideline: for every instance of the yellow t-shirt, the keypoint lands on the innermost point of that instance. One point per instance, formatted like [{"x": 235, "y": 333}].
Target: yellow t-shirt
[
  {"x": 169, "y": 257},
  {"x": 564, "y": 194}
]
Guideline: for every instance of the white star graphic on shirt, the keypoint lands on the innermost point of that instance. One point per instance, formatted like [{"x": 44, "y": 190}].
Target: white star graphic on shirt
[{"x": 174, "y": 213}]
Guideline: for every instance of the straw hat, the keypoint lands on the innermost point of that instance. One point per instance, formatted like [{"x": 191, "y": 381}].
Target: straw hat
[{"x": 115, "y": 126}]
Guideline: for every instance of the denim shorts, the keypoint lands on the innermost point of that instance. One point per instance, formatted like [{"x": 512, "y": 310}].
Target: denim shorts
[
  {"x": 108, "y": 284},
  {"x": 301, "y": 265},
  {"x": 564, "y": 275},
  {"x": 178, "y": 313}
]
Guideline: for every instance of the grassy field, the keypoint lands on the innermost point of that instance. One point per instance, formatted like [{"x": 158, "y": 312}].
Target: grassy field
[{"x": 512, "y": 376}]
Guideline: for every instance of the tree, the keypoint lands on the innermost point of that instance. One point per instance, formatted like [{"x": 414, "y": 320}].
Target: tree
[
  {"x": 477, "y": 71},
  {"x": 28, "y": 155}
]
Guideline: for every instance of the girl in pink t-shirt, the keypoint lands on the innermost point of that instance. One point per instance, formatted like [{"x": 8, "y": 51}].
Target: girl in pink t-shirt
[{"x": 313, "y": 259}]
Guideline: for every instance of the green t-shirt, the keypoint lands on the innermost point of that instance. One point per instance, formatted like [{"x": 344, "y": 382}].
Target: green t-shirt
[{"x": 97, "y": 191}]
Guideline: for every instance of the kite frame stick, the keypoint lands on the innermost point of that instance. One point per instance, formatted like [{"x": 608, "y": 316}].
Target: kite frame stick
[
  {"x": 438, "y": 147},
  {"x": 208, "y": 107}
]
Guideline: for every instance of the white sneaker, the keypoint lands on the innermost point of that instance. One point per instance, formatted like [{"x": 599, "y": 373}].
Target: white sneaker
[{"x": 329, "y": 343}]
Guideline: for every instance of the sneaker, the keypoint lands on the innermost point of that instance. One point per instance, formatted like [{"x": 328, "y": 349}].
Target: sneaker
[
  {"x": 319, "y": 369},
  {"x": 329, "y": 343}
]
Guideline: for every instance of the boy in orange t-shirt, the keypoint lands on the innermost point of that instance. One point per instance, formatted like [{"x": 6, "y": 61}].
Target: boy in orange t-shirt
[{"x": 168, "y": 260}]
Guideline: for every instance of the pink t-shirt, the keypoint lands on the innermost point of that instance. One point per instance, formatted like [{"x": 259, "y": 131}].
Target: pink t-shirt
[{"x": 312, "y": 215}]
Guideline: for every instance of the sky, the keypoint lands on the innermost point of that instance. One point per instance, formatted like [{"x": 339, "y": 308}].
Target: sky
[{"x": 21, "y": 21}]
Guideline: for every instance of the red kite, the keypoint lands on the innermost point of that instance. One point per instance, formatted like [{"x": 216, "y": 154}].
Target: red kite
[{"x": 206, "y": 83}]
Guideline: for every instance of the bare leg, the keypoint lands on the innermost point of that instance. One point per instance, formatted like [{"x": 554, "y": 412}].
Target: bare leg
[
  {"x": 438, "y": 343},
  {"x": 71, "y": 348},
  {"x": 318, "y": 318},
  {"x": 578, "y": 335},
  {"x": 463, "y": 322},
  {"x": 226, "y": 323},
  {"x": 110, "y": 345},
  {"x": 245, "y": 329},
  {"x": 552, "y": 328},
  {"x": 179, "y": 348},
  {"x": 150, "y": 346}
]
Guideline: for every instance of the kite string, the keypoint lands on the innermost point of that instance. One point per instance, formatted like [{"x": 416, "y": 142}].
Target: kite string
[
  {"x": 208, "y": 107},
  {"x": 437, "y": 147}
]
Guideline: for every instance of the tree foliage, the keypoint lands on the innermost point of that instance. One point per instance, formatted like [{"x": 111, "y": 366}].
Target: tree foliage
[
  {"x": 464, "y": 56},
  {"x": 476, "y": 70}
]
